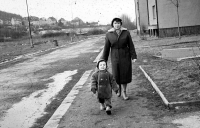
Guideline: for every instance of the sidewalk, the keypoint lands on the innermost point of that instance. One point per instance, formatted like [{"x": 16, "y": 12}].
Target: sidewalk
[
  {"x": 133, "y": 113},
  {"x": 84, "y": 111}
]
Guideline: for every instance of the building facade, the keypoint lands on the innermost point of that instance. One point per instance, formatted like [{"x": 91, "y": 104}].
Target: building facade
[
  {"x": 15, "y": 21},
  {"x": 1, "y": 22},
  {"x": 163, "y": 17}
]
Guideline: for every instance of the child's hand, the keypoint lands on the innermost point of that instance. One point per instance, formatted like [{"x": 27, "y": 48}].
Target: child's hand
[{"x": 93, "y": 90}]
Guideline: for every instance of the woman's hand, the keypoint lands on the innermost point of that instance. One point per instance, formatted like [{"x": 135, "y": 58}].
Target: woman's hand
[{"x": 134, "y": 60}]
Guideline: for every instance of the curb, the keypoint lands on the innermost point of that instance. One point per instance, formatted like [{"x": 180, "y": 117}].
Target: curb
[
  {"x": 169, "y": 105},
  {"x": 53, "y": 122},
  {"x": 165, "y": 101}
]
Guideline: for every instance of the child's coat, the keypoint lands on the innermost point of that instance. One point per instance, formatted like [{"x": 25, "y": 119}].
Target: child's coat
[{"x": 103, "y": 82}]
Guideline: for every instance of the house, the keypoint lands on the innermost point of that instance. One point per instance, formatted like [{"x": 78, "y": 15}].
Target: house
[
  {"x": 25, "y": 22},
  {"x": 31, "y": 18},
  {"x": 15, "y": 22},
  {"x": 1, "y": 21},
  {"x": 51, "y": 21},
  {"x": 35, "y": 21},
  {"x": 7, "y": 22},
  {"x": 64, "y": 22},
  {"x": 160, "y": 17},
  {"x": 77, "y": 22},
  {"x": 43, "y": 18}
]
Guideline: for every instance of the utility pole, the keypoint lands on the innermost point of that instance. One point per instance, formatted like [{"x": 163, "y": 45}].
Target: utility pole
[{"x": 31, "y": 40}]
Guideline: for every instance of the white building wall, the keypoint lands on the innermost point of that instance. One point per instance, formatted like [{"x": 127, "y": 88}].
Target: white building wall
[
  {"x": 188, "y": 13},
  {"x": 137, "y": 14},
  {"x": 141, "y": 14}
]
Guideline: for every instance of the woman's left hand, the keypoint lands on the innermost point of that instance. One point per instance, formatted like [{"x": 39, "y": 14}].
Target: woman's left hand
[{"x": 134, "y": 60}]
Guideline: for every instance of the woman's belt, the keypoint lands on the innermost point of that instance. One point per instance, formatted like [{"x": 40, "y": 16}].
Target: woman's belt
[{"x": 119, "y": 48}]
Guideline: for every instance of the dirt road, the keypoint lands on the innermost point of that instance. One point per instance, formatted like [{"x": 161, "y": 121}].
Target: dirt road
[{"x": 31, "y": 89}]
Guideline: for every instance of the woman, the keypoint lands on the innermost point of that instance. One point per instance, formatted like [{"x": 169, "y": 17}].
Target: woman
[{"x": 119, "y": 40}]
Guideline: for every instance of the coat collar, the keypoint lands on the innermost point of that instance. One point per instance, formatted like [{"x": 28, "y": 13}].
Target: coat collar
[{"x": 112, "y": 29}]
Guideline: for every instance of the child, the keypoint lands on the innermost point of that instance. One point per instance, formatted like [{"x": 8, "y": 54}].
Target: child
[{"x": 103, "y": 82}]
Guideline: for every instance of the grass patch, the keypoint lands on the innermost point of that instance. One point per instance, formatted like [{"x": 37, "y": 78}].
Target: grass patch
[
  {"x": 51, "y": 34},
  {"x": 179, "y": 81},
  {"x": 96, "y": 32}
]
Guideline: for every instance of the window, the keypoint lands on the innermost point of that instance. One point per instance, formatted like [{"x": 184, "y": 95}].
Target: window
[{"x": 154, "y": 11}]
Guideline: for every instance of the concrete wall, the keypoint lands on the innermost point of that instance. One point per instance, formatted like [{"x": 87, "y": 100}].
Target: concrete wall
[
  {"x": 137, "y": 15},
  {"x": 188, "y": 12},
  {"x": 141, "y": 14}
]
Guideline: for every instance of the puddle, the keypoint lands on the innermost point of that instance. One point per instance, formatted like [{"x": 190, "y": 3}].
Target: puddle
[
  {"x": 24, "y": 113},
  {"x": 189, "y": 122}
]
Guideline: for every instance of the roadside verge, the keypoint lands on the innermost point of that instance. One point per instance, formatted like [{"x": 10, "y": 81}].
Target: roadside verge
[{"x": 169, "y": 105}]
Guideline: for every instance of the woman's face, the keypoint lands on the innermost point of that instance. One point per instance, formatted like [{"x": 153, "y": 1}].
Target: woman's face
[{"x": 116, "y": 25}]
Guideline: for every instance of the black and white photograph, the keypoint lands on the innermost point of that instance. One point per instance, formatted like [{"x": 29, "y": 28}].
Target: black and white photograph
[{"x": 100, "y": 64}]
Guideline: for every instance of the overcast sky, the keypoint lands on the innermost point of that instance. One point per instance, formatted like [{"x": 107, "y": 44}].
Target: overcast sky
[{"x": 88, "y": 10}]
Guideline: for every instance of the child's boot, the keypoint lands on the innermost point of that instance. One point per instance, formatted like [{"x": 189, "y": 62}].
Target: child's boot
[
  {"x": 119, "y": 91},
  {"x": 108, "y": 110},
  {"x": 102, "y": 106}
]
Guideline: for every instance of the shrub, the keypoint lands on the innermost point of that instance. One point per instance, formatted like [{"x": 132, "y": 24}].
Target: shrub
[
  {"x": 51, "y": 34},
  {"x": 95, "y": 32},
  {"x": 5, "y": 32}
]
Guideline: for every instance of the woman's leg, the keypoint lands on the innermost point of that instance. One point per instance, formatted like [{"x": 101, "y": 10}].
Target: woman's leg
[{"x": 124, "y": 86}]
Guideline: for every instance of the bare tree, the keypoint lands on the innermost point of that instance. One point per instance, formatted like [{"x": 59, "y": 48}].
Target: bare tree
[
  {"x": 126, "y": 22},
  {"x": 176, "y": 3}
]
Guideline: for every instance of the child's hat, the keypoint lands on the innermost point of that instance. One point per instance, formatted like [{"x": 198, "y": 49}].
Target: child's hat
[{"x": 100, "y": 61}]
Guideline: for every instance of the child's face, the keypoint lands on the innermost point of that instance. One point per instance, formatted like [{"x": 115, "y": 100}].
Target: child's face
[{"x": 102, "y": 65}]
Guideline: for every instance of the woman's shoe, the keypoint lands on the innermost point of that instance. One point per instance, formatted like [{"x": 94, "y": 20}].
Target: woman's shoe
[{"x": 125, "y": 96}]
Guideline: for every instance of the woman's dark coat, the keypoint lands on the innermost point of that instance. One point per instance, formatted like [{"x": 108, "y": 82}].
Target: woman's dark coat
[{"x": 122, "y": 51}]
